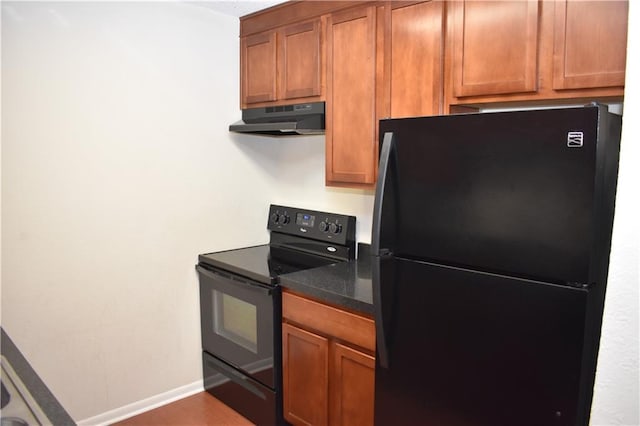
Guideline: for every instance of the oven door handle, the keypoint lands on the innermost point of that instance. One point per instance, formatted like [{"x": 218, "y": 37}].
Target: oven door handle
[{"x": 267, "y": 291}]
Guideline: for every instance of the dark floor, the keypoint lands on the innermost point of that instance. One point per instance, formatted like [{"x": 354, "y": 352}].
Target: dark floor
[{"x": 197, "y": 410}]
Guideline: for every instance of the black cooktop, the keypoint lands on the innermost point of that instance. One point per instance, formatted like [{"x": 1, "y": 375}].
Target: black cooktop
[
  {"x": 300, "y": 239},
  {"x": 263, "y": 263}
]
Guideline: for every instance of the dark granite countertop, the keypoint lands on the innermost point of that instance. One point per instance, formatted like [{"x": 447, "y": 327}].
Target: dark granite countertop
[
  {"x": 343, "y": 284},
  {"x": 36, "y": 387}
]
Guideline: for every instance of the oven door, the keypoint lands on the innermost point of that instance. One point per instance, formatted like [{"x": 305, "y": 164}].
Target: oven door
[{"x": 237, "y": 322}]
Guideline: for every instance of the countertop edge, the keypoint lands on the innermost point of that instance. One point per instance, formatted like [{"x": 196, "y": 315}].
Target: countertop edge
[
  {"x": 345, "y": 285},
  {"x": 40, "y": 392},
  {"x": 321, "y": 295}
]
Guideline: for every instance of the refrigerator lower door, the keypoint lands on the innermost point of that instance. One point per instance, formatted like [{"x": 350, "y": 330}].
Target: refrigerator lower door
[{"x": 468, "y": 348}]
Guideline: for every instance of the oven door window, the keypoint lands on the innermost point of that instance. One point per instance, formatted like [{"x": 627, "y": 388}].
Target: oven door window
[{"x": 237, "y": 322}]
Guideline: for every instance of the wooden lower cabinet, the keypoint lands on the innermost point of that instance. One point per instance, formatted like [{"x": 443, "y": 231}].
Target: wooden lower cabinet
[
  {"x": 327, "y": 380},
  {"x": 351, "y": 389},
  {"x": 305, "y": 359}
]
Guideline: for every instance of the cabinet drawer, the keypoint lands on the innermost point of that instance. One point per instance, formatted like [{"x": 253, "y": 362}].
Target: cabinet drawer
[{"x": 330, "y": 321}]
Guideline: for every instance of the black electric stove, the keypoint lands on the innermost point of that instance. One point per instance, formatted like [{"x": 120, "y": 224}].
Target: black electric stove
[{"x": 240, "y": 304}]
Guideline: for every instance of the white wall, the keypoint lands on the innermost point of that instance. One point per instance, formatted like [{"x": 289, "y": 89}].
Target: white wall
[
  {"x": 117, "y": 171},
  {"x": 616, "y": 392},
  {"x": 299, "y": 177}
]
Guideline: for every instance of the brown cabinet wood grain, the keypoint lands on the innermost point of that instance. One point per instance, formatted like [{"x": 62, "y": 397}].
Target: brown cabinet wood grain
[
  {"x": 282, "y": 65},
  {"x": 351, "y": 153},
  {"x": 513, "y": 51},
  {"x": 373, "y": 60},
  {"x": 351, "y": 391},
  {"x": 494, "y": 46},
  {"x": 589, "y": 41},
  {"x": 328, "y": 364},
  {"x": 383, "y": 60},
  {"x": 300, "y": 60},
  {"x": 258, "y": 68},
  {"x": 305, "y": 376},
  {"x": 413, "y": 57}
]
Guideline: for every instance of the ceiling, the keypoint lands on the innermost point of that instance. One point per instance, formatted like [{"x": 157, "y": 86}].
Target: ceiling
[{"x": 236, "y": 8}]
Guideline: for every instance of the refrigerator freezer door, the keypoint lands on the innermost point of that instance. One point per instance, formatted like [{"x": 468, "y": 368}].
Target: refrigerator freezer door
[
  {"x": 468, "y": 348},
  {"x": 512, "y": 193}
]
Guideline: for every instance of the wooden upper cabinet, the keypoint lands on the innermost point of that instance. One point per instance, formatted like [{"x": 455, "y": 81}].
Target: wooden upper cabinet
[
  {"x": 351, "y": 144},
  {"x": 590, "y": 39},
  {"x": 413, "y": 73},
  {"x": 300, "y": 60},
  {"x": 494, "y": 46},
  {"x": 282, "y": 64},
  {"x": 383, "y": 61},
  {"x": 373, "y": 60},
  {"x": 258, "y": 68}
]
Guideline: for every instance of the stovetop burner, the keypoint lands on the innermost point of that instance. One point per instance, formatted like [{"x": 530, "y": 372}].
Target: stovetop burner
[
  {"x": 300, "y": 239},
  {"x": 263, "y": 263}
]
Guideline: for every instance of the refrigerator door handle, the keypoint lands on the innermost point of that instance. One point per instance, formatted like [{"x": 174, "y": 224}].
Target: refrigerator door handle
[
  {"x": 388, "y": 149},
  {"x": 382, "y": 345}
]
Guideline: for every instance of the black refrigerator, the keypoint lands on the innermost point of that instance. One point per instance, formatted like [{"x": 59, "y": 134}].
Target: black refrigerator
[{"x": 490, "y": 241}]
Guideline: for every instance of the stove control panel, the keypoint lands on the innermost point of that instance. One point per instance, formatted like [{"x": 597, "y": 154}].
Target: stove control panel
[{"x": 323, "y": 226}]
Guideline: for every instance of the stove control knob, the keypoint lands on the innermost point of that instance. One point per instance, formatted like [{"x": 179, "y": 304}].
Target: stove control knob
[
  {"x": 275, "y": 217},
  {"x": 334, "y": 228},
  {"x": 283, "y": 219},
  {"x": 323, "y": 226}
]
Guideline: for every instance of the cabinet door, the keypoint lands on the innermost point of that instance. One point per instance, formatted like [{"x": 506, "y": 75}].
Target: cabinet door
[
  {"x": 589, "y": 44},
  {"x": 351, "y": 123},
  {"x": 258, "y": 65},
  {"x": 494, "y": 46},
  {"x": 414, "y": 59},
  {"x": 305, "y": 358},
  {"x": 351, "y": 393},
  {"x": 300, "y": 60}
]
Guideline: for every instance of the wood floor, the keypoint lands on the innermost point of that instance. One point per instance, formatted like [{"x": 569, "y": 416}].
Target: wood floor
[{"x": 197, "y": 410}]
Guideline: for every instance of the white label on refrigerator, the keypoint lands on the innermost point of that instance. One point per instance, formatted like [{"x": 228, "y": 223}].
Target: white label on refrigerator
[{"x": 575, "y": 139}]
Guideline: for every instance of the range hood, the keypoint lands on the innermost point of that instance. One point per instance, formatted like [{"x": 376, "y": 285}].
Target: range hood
[{"x": 299, "y": 119}]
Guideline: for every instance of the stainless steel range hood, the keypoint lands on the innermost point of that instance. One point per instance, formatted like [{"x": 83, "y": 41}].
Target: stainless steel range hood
[{"x": 286, "y": 120}]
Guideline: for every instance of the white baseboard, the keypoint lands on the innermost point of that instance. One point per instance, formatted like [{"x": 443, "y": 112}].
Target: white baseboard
[{"x": 143, "y": 405}]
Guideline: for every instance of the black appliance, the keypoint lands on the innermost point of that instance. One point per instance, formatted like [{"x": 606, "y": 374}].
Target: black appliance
[
  {"x": 240, "y": 306},
  {"x": 491, "y": 239},
  {"x": 284, "y": 120}
]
